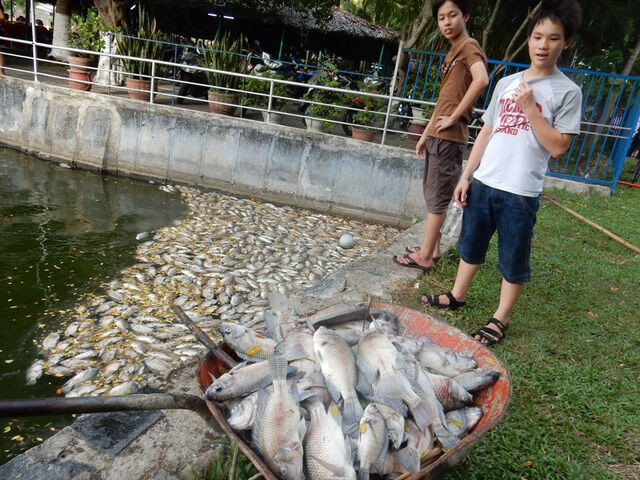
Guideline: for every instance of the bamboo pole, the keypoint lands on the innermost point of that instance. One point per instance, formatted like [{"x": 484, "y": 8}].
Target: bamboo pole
[{"x": 593, "y": 224}]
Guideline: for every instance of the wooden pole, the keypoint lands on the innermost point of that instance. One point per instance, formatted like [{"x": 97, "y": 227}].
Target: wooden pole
[
  {"x": 593, "y": 224},
  {"x": 203, "y": 337}
]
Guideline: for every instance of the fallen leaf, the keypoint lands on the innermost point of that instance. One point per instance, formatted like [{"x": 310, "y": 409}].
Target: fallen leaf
[
  {"x": 18, "y": 438},
  {"x": 7, "y": 429},
  {"x": 592, "y": 315},
  {"x": 528, "y": 463},
  {"x": 614, "y": 289}
]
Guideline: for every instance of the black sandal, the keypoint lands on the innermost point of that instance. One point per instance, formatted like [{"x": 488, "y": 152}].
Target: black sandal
[
  {"x": 490, "y": 335},
  {"x": 417, "y": 249},
  {"x": 411, "y": 263},
  {"x": 434, "y": 302}
]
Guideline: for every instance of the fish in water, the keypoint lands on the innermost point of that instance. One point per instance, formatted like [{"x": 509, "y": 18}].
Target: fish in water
[{"x": 34, "y": 372}]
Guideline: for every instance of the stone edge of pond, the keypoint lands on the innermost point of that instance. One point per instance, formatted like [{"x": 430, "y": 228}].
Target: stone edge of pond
[{"x": 161, "y": 445}]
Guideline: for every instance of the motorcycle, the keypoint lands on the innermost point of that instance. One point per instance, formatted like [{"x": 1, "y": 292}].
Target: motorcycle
[{"x": 188, "y": 75}]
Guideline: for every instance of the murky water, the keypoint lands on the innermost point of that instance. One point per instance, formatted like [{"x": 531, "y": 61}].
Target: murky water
[{"x": 63, "y": 233}]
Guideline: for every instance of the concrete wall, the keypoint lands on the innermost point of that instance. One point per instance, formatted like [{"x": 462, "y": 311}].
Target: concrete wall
[{"x": 126, "y": 137}]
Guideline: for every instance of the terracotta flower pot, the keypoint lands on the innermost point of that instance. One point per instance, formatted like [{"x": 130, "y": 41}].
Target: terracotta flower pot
[
  {"x": 415, "y": 131},
  {"x": 223, "y": 98},
  {"x": 363, "y": 134},
  {"x": 79, "y": 80},
  {"x": 138, "y": 89},
  {"x": 418, "y": 116},
  {"x": 80, "y": 73}
]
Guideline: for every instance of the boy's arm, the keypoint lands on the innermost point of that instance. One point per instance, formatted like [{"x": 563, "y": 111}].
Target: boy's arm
[
  {"x": 479, "y": 146},
  {"x": 554, "y": 142},
  {"x": 479, "y": 81}
]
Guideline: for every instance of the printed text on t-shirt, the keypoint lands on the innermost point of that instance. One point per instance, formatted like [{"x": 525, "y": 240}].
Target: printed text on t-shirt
[{"x": 512, "y": 118}]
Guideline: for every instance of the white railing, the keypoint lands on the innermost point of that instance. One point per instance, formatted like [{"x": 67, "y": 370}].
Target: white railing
[{"x": 384, "y": 117}]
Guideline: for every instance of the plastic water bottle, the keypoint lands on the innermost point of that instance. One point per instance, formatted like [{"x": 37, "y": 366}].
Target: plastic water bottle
[{"x": 451, "y": 222}]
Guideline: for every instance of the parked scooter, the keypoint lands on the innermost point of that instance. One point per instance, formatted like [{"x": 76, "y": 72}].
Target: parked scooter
[{"x": 187, "y": 75}]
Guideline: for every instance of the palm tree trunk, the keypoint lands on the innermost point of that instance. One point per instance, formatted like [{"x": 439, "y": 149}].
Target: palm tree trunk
[
  {"x": 633, "y": 57},
  {"x": 61, "y": 25},
  {"x": 112, "y": 11}
]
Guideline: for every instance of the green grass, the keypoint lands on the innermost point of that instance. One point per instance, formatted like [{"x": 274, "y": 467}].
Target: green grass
[
  {"x": 573, "y": 346},
  {"x": 223, "y": 463}
]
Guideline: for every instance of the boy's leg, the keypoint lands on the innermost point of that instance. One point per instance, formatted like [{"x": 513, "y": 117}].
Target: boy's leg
[
  {"x": 464, "y": 277},
  {"x": 515, "y": 219},
  {"x": 509, "y": 294},
  {"x": 443, "y": 166},
  {"x": 1, "y": 63}
]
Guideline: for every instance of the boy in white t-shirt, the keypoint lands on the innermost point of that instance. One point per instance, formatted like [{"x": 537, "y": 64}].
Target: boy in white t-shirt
[{"x": 532, "y": 115}]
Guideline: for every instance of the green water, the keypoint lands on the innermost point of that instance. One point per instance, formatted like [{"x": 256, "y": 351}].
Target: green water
[{"x": 62, "y": 233}]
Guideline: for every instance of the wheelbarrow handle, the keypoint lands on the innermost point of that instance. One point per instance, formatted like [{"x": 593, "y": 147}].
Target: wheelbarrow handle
[{"x": 31, "y": 407}]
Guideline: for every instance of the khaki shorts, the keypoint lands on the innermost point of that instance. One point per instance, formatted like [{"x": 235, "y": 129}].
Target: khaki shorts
[{"x": 442, "y": 169}]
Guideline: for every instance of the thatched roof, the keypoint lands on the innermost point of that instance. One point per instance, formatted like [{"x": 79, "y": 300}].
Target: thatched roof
[{"x": 341, "y": 22}]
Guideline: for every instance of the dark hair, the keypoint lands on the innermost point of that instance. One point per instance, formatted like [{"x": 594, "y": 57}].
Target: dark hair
[
  {"x": 566, "y": 12},
  {"x": 463, "y": 5}
]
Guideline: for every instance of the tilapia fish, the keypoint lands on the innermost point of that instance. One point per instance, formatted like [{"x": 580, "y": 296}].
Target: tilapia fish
[
  {"x": 339, "y": 369},
  {"x": 297, "y": 348},
  {"x": 419, "y": 444},
  {"x": 477, "y": 379},
  {"x": 241, "y": 380},
  {"x": 248, "y": 344},
  {"x": 242, "y": 412},
  {"x": 373, "y": 441},
  {"x": 460, "y": 422},
  {"x": 444, "y": 361},
  {"x": 276, "y": 427},
  {"x": 327, "y": 455},
  {"x": 379, "y": 362}
]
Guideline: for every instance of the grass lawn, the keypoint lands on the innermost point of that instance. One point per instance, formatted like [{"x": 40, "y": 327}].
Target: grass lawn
[{"x": 573, "y": 347}]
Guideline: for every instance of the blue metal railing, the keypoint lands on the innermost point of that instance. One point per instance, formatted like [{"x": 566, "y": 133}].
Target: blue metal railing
[{"x": 610, "y": 113}]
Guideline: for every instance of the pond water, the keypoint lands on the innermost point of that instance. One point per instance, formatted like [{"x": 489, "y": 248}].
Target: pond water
[{"x": 63, "y": 232}]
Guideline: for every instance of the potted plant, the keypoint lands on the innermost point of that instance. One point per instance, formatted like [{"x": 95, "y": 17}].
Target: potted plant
[
  {"x": 257, "y": 95},
  {"x": 84, "y": 35},
  {"x": 327, "y": 103},
  {"x": 225, "y": 54},
  {"x": 141, "y": 40}
]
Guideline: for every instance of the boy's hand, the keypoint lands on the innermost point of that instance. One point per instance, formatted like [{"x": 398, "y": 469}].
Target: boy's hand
[
  {"x": 460, "y": 193},
  {"x": 421, "y": 148},
  {"x": 443, "y": 122},
  {"x": 523, "y": 96}
]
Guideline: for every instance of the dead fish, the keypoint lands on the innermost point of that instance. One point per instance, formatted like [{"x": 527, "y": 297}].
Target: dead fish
[
  {"x": 339, "y": 369},
  {"x": 277, "y": 423},
  {"x": 477, "y": 379},
  {"x": 373, "y": 442},
  {"x": 241, "y": 380},
  {"x": 460, "y": 422},
  {"x": 157, "y": 365},
  {"x": 81, "y": 391},
  {"x": 327, "y": 454},
  {"x": 242, "y": 412},
  {"x": 419, "y": 444},
  {"x": 449, "y": 393},
  {"x": 394, "y": 422},
  {"x": 123, "y": 389},
  {"x": 34, "y": 372},
  {"x": 442, "y": 360},
  {"x": 81, "y": 377},
  {"x": 50, "y": 341},
  {"x": 248, "y": 344}
]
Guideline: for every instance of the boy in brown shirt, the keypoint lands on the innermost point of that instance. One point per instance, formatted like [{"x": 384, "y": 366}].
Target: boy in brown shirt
[{"x": 464, "y": 77}]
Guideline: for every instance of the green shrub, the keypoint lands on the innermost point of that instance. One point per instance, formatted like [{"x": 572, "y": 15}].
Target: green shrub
[
  {"x": 86, "y": 33},
  {"x": 257, "y": 92},
  {"x": 142, "y": 40}
]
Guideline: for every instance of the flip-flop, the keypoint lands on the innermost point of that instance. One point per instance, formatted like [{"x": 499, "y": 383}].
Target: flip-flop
[
  {"x": 417, "y": 249},
  {"x": 411, "y": 263}
]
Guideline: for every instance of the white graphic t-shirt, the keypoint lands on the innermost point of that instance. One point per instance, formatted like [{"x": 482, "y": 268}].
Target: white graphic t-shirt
[{"x": 514, "y": 160}]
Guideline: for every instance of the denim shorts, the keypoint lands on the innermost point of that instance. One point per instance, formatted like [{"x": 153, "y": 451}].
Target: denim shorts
[{"x": 513, "y": 216}]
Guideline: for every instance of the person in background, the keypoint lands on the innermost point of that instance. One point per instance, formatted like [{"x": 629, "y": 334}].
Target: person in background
[
  {"x": 464, "y": 77},
  {"x": 532, "y": 115}
]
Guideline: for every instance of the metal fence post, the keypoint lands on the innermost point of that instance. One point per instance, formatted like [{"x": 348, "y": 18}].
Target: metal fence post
[
  {"x": 32, "y": 16},
  {"x": 391, "y": 93},
  {"x": 153, "y": 79},
  {"x": 270, "y": 101},
  {"x": 621, "y": 154},
  {"x": 173, "y": 84}
]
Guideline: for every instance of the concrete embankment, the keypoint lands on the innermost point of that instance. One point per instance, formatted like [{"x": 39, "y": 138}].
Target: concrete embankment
[{"x": 282, "y": 164}]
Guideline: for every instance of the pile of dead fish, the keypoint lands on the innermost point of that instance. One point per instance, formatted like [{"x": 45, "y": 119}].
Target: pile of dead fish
[
  {"x": 219, "y": 261},
  {"x": 346, "y": 391}
]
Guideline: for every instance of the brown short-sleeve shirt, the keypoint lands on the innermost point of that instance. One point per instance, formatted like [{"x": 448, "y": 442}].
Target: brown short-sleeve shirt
[{"x": 456, "y": 77}]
